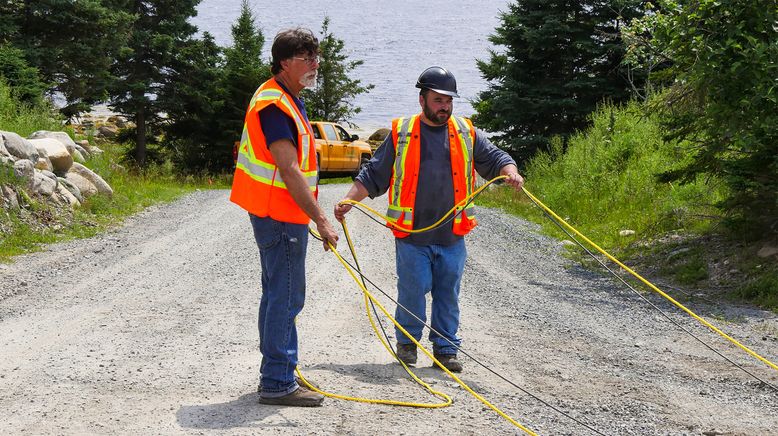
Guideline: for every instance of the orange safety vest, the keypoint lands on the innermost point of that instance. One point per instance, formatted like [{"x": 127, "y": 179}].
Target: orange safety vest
[
  {"x": 405, "y": 172},
  {"x": 257, "y": 185}
]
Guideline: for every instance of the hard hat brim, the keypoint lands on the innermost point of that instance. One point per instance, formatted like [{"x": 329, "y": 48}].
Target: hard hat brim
[{"x": 440, "y": 91}]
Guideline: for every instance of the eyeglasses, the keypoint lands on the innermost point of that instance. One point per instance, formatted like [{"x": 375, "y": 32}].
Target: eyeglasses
[{"x": 310, "y": 61}]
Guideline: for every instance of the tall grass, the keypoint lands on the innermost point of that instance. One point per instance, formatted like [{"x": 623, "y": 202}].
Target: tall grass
[
  {"x": 606, "y": 182},
  {"x": 25, "y": 119}
]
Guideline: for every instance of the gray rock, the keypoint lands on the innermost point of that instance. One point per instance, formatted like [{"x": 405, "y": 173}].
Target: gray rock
[
  {"x": 626, "y": 232},
  {"x": 102, "y": 186},
  {"x": 43, "y": 185},
  {"x": 68, "y": 196},
  {"x": 24, "y": 169},
  {"x": 107, "y": 131},
  {"x": 84, "y": 186},
  {"x": 19, "y": 147},
  {"x": 62, "y": 137},
  {"x": 73, "y": 189},
  {"x": 82, "y": 151},
  {"x": 59, "y": 156},
  {"x": 10, "y": 200},
  {"x": 3, "y": 151}
]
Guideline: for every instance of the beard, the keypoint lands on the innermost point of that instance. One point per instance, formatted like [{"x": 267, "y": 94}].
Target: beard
[
  {"x": 440, "y": 117},
  {"x": 309, "y": 79}
]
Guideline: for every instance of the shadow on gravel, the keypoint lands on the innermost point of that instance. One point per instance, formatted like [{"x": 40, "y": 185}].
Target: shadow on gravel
[
  {"x": 386, "y": 374},
  {"x": 243, "y": 412}
]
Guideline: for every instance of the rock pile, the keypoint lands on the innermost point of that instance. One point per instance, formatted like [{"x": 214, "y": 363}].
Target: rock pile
[{"x": 51, "y": 165}]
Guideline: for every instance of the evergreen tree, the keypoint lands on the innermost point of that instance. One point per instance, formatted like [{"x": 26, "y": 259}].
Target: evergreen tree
[
  {"x": 244, "y": 71},
  {"x": 19, "y": 76},
  {"x": 71, "y": 43},
  {"x": 721, "y": 95},
  {"x": 160, "y": 27},
  {"x": 331, "y": 99},
  {"x": 561, "y": 58},
  {"x": 193, "y": 106}
]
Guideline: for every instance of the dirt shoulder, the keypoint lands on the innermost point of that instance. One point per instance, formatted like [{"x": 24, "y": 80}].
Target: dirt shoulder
[{"x": 151, "y": 328}]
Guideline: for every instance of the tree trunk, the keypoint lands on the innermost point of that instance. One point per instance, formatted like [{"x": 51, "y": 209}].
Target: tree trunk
[{"x": 140, "y": 140}]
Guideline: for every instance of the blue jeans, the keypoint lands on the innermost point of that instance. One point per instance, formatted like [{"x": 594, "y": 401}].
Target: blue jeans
[
  {"x": 422, "y": 269},
  {"x": 282, "y": 255}
]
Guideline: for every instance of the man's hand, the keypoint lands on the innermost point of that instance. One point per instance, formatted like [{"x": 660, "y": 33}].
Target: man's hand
[
  {"x": 514, "y": 179},
  {"x": 327, "y": 233},
  {"x": 341, "y": 209}
]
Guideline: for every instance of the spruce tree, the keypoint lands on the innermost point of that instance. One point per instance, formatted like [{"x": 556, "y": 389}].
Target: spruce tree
[
  {"x": 71, "y": 43},
  {"x": 331, "y": 99},
  {"x": 244, "y": 71},
  {"x": 159, "y": 29},
  {"x": 559, "y": 59}
]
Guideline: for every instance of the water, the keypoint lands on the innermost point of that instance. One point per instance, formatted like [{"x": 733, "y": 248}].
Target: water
[{"x": 396, "y": 39}]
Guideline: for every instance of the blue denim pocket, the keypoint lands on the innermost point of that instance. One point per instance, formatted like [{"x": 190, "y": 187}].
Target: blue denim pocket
[{"x": 267, "y": 231}]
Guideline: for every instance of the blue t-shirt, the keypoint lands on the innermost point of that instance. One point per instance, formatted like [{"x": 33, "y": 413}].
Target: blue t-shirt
[{"x": 277, "y": 125}]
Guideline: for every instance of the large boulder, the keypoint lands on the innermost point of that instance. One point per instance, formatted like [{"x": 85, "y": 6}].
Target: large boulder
[
  {"x": 3, "y": 151},
  {"x": 62, "y": 137},
  {"x": 19, "y": 147},
  {"x": 85, "y": 187},
  {"x": 107, "y": 131},
  {"x": 102, "y": 186},
  {"x": 379, "y": 135},
  {"x": 59, "y": 156}
]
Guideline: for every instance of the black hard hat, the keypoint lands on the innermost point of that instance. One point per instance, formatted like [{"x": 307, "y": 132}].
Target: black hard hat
[{"x": 438, "y": 79}]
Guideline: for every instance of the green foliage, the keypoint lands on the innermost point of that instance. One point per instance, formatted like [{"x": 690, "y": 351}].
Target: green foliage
[
  {"x": 143, "y": 66},
  {"x": 763, "y": 290},
  {"x": 194, "y": 108},
  {"x": 687, "y": 266},
  {"x": 25, "y": 118},
  {"x": 330, "y": 100},
  {"x": 606, "y": 181},
  {"x": 560, "y": 59},
  {"x": 722, "y": 97},
  {"x": 71, "y": 43},
  {"x": 20, "y": 76}
]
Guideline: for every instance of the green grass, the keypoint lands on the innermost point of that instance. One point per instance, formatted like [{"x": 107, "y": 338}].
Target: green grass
[
  {"x": 605, "y": 182},
  {"x": 24, "y": 119}
]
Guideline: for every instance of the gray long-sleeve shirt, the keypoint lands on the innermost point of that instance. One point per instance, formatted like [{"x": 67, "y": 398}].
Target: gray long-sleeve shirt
[{"x": 435, "y": 191}]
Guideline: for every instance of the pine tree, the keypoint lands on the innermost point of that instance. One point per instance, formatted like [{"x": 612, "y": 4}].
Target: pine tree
[
  {"x": 560, "y": 59},
  {"x": 71, "y": 43},
  {"x": 23, "y": 79},
  {"x": 159, "y": 29},
  {"x": 331, "y": 99},
  {"x": 193, "y": 105},
  {"x": 244, "y": 71}
]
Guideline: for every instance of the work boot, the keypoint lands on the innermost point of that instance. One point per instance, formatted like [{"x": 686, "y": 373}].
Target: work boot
[
  {"x": 407, "y": 353},
  {"x": 450, "y": 361},
  {"x": 301, "y": 397}
]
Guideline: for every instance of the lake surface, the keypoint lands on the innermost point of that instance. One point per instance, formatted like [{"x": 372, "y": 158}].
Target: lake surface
[{"x": 397, "y": 40}]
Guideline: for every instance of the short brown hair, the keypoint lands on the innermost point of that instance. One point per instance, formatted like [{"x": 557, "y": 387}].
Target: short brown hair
[{"x": 290, "y": 42}]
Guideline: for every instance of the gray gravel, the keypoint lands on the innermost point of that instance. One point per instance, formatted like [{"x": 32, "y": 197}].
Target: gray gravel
[{"x": 151, "y": 328}]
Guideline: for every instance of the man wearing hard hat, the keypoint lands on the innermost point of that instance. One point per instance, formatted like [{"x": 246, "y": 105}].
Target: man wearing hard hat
[{"x": 426, "y": 166}]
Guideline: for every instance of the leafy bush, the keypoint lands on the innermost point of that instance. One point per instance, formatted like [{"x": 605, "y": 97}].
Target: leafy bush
[
  {"x": 24, "y": 118},
  {"x": 606, "y": 180}
]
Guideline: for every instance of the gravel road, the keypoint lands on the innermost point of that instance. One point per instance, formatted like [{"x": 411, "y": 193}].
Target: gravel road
[{"x": 151, "y": 329}]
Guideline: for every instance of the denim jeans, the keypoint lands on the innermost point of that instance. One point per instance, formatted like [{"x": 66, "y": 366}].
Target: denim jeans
[
  {"x": 282, "y": 256},
  {"x": 435, "y": 269}
]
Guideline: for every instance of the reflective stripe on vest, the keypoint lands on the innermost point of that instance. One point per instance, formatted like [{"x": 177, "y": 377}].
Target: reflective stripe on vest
[
  {"x": 404, "y": 128},
  {"x": 463, "y": 132}
]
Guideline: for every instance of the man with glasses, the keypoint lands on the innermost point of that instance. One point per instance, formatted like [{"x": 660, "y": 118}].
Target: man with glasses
[
  {"x": 427, "y": 165},
  {"x": 275, "y": 181}
]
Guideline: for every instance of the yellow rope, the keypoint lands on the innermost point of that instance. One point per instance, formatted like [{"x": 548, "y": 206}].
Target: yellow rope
[
  {"x": 649, "y": 284},
  {"x": 370, "y": 297}
]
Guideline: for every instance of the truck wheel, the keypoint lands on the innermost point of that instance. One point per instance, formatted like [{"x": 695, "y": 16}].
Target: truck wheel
[{"x": 362, "y": 163}]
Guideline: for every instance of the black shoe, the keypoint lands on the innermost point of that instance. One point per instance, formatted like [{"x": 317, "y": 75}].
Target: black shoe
[
  {"x": 301, "y": 397},
  {"x": 407, "y": 353},
  {"x": 450, "y": 361}
]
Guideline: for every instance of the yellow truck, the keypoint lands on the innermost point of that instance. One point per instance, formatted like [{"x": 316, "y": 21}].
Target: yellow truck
[{"x": 337, "y": 151}]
